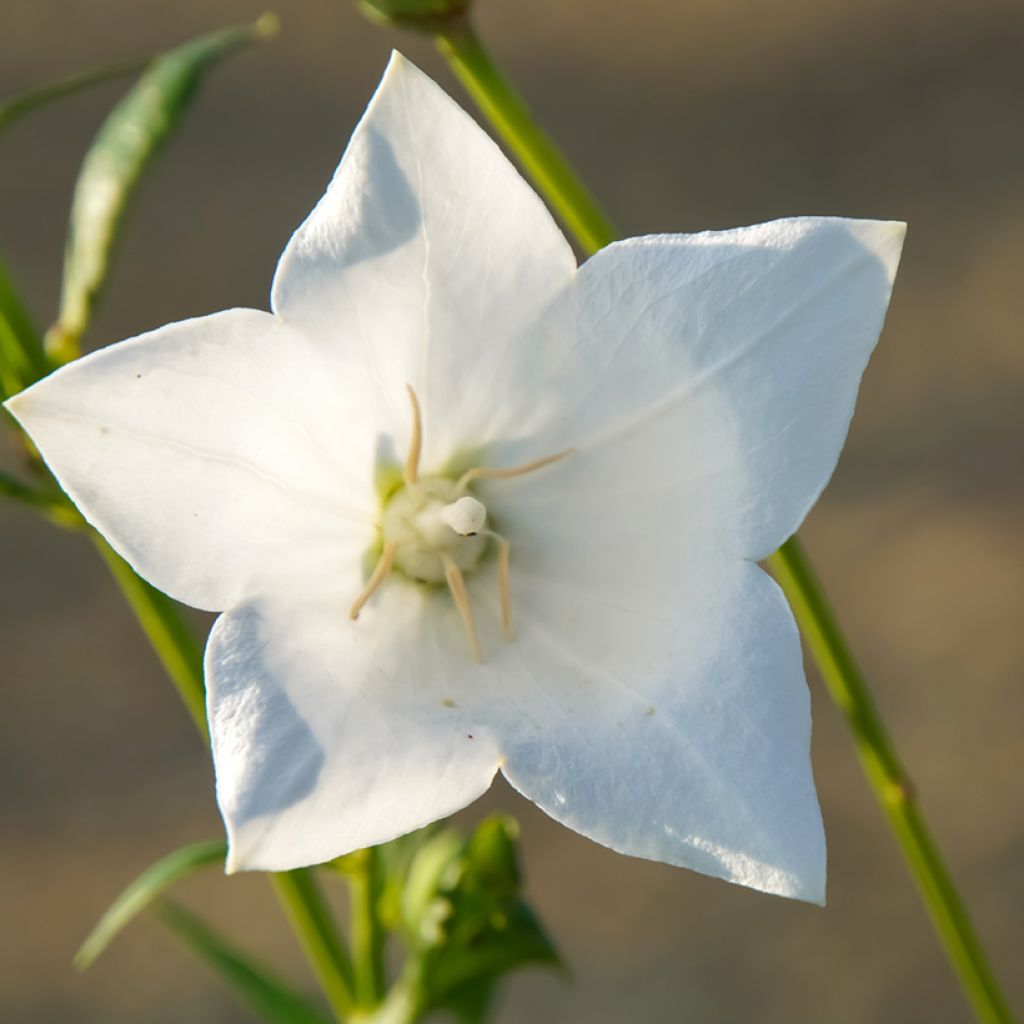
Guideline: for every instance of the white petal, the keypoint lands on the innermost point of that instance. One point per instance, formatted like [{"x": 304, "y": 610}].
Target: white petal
[
  {"x": 424, "y": 261},
  {"x": 331, "y": 735},
  {"x": 682, "y": 737},
  {"x": 214, "y": 454},
  {"x": 724, "y": 364}
]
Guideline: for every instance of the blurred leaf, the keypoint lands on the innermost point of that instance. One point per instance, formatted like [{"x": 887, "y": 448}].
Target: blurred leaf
[
  {"x": 467, "y": 921},
  {"x": 146, "y": 888},
  {"x": 22, "y": 361},
  {"x": 256, "y": 986},
  {"x": 123, "y": 149},
  {"x": 52, "y": 506},
  {"x": 25, "y": 102}
]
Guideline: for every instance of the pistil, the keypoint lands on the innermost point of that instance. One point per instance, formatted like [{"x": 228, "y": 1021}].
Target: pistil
[{"x": 435, "y": 531}]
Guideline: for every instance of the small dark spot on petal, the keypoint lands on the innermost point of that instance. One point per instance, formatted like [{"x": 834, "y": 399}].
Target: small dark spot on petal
[
  {"x": 449, "y": 703},
  {"x": 649, "y": 711},
  {"x": 469, "y": 735},
  {"x": 138, "y": 376}
]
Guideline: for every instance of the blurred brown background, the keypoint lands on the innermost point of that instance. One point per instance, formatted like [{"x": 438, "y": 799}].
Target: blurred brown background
[{"x": 709, "y": 113}]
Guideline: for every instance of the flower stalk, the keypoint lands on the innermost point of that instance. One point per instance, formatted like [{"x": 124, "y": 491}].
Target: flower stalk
[
  {"x": 579, "y": 210},
  {"x": 367, "y": 937},
  {"x": 311, "y": 920}
]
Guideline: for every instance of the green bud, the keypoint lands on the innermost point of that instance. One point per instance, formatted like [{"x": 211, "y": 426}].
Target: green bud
[{"x": 420, "y": 15}]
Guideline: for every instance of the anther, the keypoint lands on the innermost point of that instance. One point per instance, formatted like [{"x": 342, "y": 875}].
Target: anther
[
  {"x": 457, "y": 586},
  {"x": 380, "y": 570},
  {"x": 412, "y": 462},
  {"x": 486, "y": 473}
]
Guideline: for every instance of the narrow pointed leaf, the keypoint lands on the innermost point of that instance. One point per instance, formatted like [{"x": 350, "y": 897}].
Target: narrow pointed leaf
[
  {"x": 124, "y": 148},
  {"x": 54, "y": 507},
  {"x": 23, "y": 103},
  {"x": 21, "y": 352},
  {"x": 257, "y": 987},
  {"x": 155, "y": 880}
]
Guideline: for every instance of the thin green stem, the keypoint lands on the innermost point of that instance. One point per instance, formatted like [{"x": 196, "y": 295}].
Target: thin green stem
[
  {"x": 885, "y": 772},
  {"x": 572, "y": 202},
  {"x": 367, "y": 937},
  {"x": 311, "y": 919},
  {"x": 538, "y": 155},
  {"x": 170, "y": 636}
]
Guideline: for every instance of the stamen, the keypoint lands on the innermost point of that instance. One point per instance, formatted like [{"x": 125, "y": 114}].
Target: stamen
[
  {"x": 380, "y": 570},
  {"x": 457, "y": 586},
  {"x": 486, "y": 473},
  {"x": 504, "y": 550},
  {"x": 412, "y": 462}
]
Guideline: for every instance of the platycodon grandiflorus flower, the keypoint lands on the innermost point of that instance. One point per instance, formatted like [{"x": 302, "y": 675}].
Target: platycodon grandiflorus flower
[{"x": 467, "y": 506}]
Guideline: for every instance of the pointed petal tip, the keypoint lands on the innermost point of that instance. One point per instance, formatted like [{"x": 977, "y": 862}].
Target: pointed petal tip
[
  {"x": 883, "y": 238},
  {"x": 231, "y": 862},
  {"x": 398, "y": 65}
]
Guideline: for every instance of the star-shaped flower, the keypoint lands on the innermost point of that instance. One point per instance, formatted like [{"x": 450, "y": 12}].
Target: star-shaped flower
[{"x": 468, "y": 507}]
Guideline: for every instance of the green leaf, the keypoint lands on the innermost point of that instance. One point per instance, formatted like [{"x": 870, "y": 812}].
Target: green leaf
[
  {"x": 53, "y": 506},
  {"x": 21, "y": 352},
  {"x": 25, "y": 102},
  {"x": 123, "y": 149},
  {"x": 257, "y": 987},
  {"x": 146, "y": 888}
]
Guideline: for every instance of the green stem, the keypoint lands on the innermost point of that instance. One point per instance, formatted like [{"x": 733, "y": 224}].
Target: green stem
[
  {"x": 170, "y": 636},
  {"x": 311, "y": 919},
  {"x": 367, "y": 937},
  {"x": 570, "y": 199},
  {"x": 888, "y": 779},
  {"x": 538, "y": 155}
]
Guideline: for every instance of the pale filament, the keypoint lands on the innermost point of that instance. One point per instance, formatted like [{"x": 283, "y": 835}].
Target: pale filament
[
  {"x": 504, "y": 550},
  {"x": 380, "y": 570},
  {"x": 486, "y": 473},
  {"x": 412, "y": 461},
  {"x": 457, "y": 586}
]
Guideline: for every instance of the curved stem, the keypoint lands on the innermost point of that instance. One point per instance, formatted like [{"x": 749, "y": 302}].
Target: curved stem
[
  {"x": 573, "y": 203},
  {"x": 888, "y": 779},
  {"x": 311, "y": 919},
  {"x": 366, "y": 934},
  {"x": 171, "y": 637}
]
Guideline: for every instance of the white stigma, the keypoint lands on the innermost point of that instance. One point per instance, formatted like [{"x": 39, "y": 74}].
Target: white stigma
[{"x": 466, "y": 517}]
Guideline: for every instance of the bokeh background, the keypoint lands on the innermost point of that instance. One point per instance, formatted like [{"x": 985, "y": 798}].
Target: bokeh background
[{"x": 683, "y": 116}]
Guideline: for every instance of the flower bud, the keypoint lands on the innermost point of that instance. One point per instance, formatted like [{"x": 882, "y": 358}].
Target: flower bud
[{"x": 421, "y": 15}]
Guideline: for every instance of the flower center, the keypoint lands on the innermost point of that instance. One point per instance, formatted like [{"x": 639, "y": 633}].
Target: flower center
[
  {"x": 431, "y": 520},
  {"x": 434, "y": 530}
]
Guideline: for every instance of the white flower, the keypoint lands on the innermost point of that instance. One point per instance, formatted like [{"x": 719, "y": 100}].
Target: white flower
[{"x": 676, "y": 404}]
